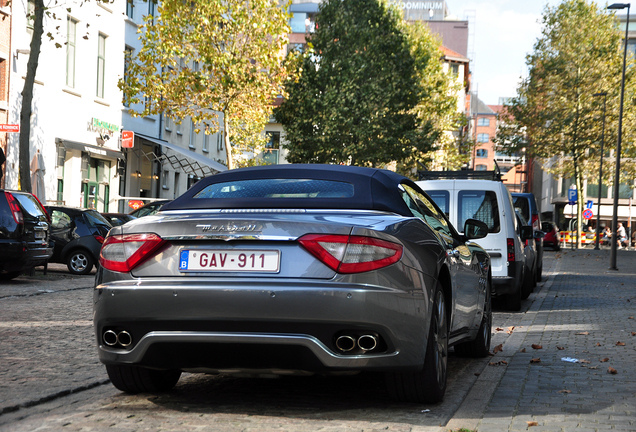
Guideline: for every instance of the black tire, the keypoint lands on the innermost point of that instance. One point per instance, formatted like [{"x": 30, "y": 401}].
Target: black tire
[
  {"x": 429, "y": 384},
  {"x": 9, "y": 275},
  {"x": 480, "y": 346},
  {"x": 79, "y": 262},
  {"x": 134, "y": 379}
]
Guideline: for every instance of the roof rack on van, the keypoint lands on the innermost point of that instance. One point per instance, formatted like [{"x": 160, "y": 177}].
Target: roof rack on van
[{"x": 461, "y": 174}]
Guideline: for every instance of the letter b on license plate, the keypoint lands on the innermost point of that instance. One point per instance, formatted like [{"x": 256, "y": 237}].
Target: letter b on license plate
[{"x": 215, "y": 260}]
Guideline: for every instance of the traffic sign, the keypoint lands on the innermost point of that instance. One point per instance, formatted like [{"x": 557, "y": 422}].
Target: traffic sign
[
  {"x": 589, "y": 204},
  {"x": 588, "y": 214},
  {"x": 572, "y": 196},
  {"x": 127, "y": 138},
  {"x": 9, "y": 128}
]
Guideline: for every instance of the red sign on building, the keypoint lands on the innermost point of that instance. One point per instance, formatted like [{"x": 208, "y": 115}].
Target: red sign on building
[
  {"x": 127, "y": 139},
  {"x": 9, "y": 128}
]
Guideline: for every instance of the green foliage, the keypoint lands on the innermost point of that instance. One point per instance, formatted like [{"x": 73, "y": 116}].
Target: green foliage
[
  {"x": 355, "y": 100},
  {"x": 204, "y": 57}
]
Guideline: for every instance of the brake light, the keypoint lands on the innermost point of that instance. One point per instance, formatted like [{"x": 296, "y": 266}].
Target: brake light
[
  {"x": 352, "y": 254},
  {"x": 511, "y": 250},
  {"x": 16, "y": 211},
  {"x": 99, "y": 238},
  {"x": 535, "y": 221},
  {"x": 122, "y": 253}
]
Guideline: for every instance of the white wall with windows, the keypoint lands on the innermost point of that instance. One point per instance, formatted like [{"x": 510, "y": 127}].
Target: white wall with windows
[{"x": 76, "y": 119}]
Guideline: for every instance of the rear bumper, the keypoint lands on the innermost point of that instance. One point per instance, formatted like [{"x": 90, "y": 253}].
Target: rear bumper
[
  {"x": 16, "y": 256},
  {"x": 503, "y": 285},
  {"x": 284, "y": 326}
]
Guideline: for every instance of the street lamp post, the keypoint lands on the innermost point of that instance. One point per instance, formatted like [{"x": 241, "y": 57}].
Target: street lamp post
[
  {"x": 617, "y": 6},
  {"x": 600, "y": 175}
]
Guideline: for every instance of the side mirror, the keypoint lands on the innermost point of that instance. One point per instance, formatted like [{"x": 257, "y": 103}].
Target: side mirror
[
  {"x": 527, "y": 232},
  {"x": 475, "y": 229}
]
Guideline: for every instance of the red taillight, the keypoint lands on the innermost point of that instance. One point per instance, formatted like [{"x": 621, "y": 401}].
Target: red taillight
[
  {"x": 511, "y": 250},
  {"x": 122, "y": 253},
  {"x": 16, "y": 211},
  {"x": 535, "y": 221},
  {"x": 99, "y": 238},
  {"x": 352, "y": 254}
]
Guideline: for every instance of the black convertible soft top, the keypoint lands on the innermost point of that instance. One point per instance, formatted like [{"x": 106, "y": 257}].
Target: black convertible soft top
[{"x": 373, "y": 189}]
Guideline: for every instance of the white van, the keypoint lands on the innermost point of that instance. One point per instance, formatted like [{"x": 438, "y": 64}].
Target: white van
[{"x": 467, "y": 195}]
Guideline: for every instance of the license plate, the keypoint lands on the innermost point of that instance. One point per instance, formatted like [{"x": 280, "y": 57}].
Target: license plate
[
  {"x": 246, "y": 260},
  {"x": 40, "y": 234}
]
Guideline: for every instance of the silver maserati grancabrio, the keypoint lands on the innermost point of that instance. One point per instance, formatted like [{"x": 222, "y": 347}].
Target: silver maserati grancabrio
[{"x": 293, "y": 269}]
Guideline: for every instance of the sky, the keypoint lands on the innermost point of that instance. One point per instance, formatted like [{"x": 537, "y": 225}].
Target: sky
[{"x": 505, "y": 31}]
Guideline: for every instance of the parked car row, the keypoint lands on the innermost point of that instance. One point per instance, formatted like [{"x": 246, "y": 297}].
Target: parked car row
[{"x": 33, "y": 235}]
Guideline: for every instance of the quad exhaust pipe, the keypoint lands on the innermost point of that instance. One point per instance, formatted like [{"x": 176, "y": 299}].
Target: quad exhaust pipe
[
  {"x": 123, "y": 338},
  {"x": 364, "y": 343}
]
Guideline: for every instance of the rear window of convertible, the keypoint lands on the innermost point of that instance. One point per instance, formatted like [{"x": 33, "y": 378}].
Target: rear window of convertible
[{"x": 278, "y": 188}]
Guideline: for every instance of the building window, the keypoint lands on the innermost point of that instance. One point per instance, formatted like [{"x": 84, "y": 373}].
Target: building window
[
  {"x": 61, "y": 158},
  {"x": 206, "y": 140},
  {"x": 70, "y": 52},
  {"x": 482, "y": 153},
  {"x": 481, "y": 168},
  {"x": 130, "y": 8},
  {"x": 272, "y": 148},
  {"x": 152, "y": 9},
  {"x": 482, "y": 121},
  {"x": 192, "y": 135},
  {"x": 101, "y": 64},
  {"x": 169, "y": 123},
  {"x": 454, "y": 69},
  {"x": 483, "y": 138},
  {"x": 164, "y": 178},
  {"x": 30, "y": 16},
  {"x": 219, "y": 141},
  {"x": 178, "y": 124},
  {"x": 128, "y": 55}
]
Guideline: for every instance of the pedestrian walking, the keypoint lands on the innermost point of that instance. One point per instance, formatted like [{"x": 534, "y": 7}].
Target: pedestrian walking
[{"x": 622, "y": 236}]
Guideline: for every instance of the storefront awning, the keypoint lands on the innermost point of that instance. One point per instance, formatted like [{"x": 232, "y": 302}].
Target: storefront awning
[
  {"x": 193, "y": 163},
  {"x": 91, "y": 149}
]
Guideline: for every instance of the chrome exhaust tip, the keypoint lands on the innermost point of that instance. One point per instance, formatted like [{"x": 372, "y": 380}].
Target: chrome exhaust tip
[
  {"x": 345, "y": 343},
  {"x": 367, "y": 342},
  {"x": 109, "y": 337},
  {"x": 124, "y": 338}
]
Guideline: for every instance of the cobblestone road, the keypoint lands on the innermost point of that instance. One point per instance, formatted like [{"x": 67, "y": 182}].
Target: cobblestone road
[{"x": 50, "y": 378}]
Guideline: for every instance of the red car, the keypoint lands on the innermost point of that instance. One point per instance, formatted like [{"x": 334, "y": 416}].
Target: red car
[{"x": 552, "y": 237}]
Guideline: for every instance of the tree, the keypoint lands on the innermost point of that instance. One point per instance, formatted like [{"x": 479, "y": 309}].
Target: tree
[
  {"x": 555, "y": 116},
  {"x": 358, "y": 86},
  {"x": 202, "y": 58}
]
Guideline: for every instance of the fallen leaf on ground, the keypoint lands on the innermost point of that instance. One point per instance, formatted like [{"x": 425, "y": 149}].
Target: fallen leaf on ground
[
  {"x": 560, "y": 347},
  {"x": 582, "y": 333},
  {"x": 499, "y": 363},
  {"x": 619, "y": 343},
  {"x": 604, "y": 360},
  {"x": 510, "y": 329},
  {"x": 584, "y": 361},
  {"x": 633, "y": 333},
  {"x": 477, "y": 373},
  {"x": 499, "y": 329},
  {"x": 532, "y": 423},
  {"x": 612, "y": 371},
  {"x": 498, "y": 348},
  {"x": 523, "y": 350},
  {"x": 630, "y": 318},
  {"x": 598, "y": 344},
  {"x": 535, "y": 360},
  {"x": 592, "y": 367},
  {"x": 537, "y": 346},
  {"x": 565, "y": 391}
]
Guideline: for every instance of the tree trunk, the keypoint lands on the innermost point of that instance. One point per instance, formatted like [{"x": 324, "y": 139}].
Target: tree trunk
[
  {"x": 226, "y": 139},
  {"x": 27, "y": 97}
]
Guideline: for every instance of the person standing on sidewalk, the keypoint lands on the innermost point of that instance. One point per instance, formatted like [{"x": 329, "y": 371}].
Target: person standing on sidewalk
[{"x": 622, "y": 236}]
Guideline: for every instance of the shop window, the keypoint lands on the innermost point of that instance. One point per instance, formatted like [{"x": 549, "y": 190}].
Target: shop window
[
  {"x": 84, "y": 166},
  {"x": 481, "y": 167},
  {"x": 164, "y": 178},
  {"x": 60, "y": 191}
]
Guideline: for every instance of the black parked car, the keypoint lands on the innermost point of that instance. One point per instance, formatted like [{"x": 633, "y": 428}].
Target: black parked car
[
  {"x": 78, "y": 235},
  {"x": 117, "y": 219},
  {"x": 149, "y": 209},
  {"x": 526, "y": 204},
  {"x": 24, "y": 234}
]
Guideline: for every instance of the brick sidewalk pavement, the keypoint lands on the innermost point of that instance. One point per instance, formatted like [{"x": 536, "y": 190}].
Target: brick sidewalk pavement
[{"x": 584, "y": 312}]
